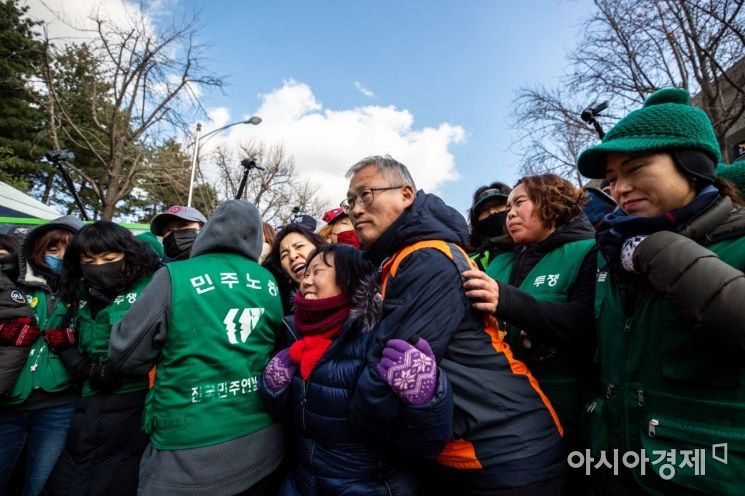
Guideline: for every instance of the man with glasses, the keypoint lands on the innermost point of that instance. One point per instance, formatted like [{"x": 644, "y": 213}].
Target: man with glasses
[{"x": 505, "y": 433}]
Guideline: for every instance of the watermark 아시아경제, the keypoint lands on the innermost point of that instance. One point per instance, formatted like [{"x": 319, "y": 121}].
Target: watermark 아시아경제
[{"x": 668, "y": 460}]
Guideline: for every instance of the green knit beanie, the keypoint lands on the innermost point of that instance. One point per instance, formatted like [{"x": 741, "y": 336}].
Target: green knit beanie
[
  {"x": 734, "y": 173},
  {"x": 666, "y": 122}
]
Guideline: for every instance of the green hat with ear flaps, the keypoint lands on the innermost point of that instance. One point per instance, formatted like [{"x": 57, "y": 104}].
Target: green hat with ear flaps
[{"x": 666, "y": 122}]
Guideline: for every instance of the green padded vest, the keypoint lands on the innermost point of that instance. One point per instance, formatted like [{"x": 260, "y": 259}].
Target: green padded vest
[{"x": 225, "y": 314}]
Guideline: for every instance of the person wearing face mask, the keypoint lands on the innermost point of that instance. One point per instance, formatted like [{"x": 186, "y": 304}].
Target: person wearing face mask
[
  {"x": 38, "y": 395},
  {"x": 178, "y": 226},
  {"x": 104, "y": 445},
  {"x": 545, "y": 290},
  {"x": 486, "y": 219},
  {"x": 338, "y": 228}
]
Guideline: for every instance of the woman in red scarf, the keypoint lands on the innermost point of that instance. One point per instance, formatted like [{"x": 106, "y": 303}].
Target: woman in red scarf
[{"x": 337, "y": 309}]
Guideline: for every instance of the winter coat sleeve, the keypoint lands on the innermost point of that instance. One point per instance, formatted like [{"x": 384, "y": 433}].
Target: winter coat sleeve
[
  {"x": 425, "y": 429},
  {"x": 12, "y": 301},
  {"x": 136, "y": 340},
  {"x": 697, "y": 283},
  {"x": 12, "y": 359},
  {"x": 555, "y": 322},
  {"x": 275, "y": 402},
  {"x": 426, "y": 299}
]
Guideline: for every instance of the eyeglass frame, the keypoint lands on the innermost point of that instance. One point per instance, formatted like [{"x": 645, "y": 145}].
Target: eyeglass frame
[{"x": 348, "y": 204}]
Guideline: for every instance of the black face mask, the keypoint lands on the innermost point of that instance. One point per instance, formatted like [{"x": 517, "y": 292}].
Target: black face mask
[
  {"x": 493, "y": 225},
  {"x": 177, "y": 245},
  {"x": 9, "y": 266},
  {"x": 104, "y": 276}
]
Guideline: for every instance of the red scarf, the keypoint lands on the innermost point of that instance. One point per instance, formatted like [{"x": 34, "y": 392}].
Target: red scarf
[{"x": 319, "y": 321}]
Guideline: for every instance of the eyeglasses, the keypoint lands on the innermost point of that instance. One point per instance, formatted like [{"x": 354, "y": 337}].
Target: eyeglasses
[{"x": 366, "y": 197}]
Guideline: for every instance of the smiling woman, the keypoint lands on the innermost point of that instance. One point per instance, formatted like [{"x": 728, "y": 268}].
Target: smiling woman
[
  {"x": 670, "y": 288},
  {"x": 338, "y": 307},
  {"x": 291, "y": 247}
]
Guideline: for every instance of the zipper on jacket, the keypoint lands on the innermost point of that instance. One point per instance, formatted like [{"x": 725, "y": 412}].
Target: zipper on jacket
[
  {"x": 304, "y": 402},
  {"x": 627, "y": 326},
  {"x": 35, "y": 367},
  {"x": 653, "y": 424},
  {"x": 640, "y": 396}
]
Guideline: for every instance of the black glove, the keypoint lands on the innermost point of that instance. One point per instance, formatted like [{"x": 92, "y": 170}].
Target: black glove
[
  {"x": 77, "y": 363},
  {"x": 104, "y": 378}
]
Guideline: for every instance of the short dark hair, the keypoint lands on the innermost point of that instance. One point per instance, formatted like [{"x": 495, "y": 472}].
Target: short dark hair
[
  {"x": 556, "y": 200},
  {"x": 100, "y": 237},
  {"x": 10, "y": 244},
  {"x": 352, "y": 269}
]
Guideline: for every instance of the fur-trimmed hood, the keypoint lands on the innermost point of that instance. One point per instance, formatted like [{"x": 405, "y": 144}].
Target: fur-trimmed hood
[
  {"x": 367, "y": 304},
  {"x": 29, "y": 275}
]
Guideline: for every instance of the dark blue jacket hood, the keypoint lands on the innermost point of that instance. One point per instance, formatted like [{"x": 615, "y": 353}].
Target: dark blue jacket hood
[{"x": 426, "y": 219}]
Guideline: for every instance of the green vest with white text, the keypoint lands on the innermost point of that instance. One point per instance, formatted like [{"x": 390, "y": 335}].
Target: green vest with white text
[
  {"x": 94, "y": 333},
  {"x": 225, "y": 314},
  {"x": 564, "y": 383}
]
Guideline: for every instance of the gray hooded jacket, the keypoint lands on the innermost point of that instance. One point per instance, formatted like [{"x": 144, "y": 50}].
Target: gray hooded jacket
[{"x": 225, "y": 468}]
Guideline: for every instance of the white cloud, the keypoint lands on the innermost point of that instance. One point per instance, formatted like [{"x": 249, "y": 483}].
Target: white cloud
[
  {"x": 365, "y": 91},
  {"x": 326, "y": 142},
  {"x": 219, "y": 116},
  {"x": 69, "y": 21}
]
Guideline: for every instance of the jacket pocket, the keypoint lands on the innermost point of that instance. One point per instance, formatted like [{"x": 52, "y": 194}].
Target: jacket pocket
[
  {"x": 697, "y": 362},
  {"x": 693, "y": 455}
]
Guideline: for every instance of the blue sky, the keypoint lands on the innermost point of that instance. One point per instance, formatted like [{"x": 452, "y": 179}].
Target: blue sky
[{"x": 428, "y": 81}]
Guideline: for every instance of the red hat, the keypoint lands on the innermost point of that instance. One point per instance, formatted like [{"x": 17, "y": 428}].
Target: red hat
[{"x": 332, "y": 215}]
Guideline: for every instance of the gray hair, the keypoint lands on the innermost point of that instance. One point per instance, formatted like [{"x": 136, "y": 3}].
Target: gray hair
[{"x": 392, "y": 169}]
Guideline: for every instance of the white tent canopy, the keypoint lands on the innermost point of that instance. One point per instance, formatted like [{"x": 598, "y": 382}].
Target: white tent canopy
[{"x": 14, "y": 203}]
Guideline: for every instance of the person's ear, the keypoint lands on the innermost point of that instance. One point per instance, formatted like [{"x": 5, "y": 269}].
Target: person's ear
[{"x": 409, "y": 195}]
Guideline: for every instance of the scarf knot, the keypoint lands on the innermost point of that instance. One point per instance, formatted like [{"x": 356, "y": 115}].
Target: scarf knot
[{"x": 319, "y": 321}]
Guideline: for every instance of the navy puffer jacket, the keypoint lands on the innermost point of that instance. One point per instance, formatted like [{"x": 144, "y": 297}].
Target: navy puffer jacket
[{"x": 333, "y": 458}]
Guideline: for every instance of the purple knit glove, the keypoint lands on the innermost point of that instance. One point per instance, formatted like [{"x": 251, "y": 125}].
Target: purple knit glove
[
  {"x": 411, "y": 371},
  {"x": 279, "y": 371}
]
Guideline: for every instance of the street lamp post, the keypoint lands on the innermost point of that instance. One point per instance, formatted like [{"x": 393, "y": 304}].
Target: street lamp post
[{"x": 255, "y": 120}]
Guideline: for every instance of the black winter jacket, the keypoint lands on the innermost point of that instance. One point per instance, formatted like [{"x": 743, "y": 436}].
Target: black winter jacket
[
  {"x": 498, "y": 411},
  {"x": 12, "y": 306},
  {"x": 333, "y": 458}
]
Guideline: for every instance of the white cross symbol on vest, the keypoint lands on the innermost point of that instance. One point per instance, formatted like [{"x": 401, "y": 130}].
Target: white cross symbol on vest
[{"x": 248, "y": 320}]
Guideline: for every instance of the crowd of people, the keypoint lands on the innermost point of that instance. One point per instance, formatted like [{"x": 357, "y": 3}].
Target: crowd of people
[{"x": 561, "y": 340}]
